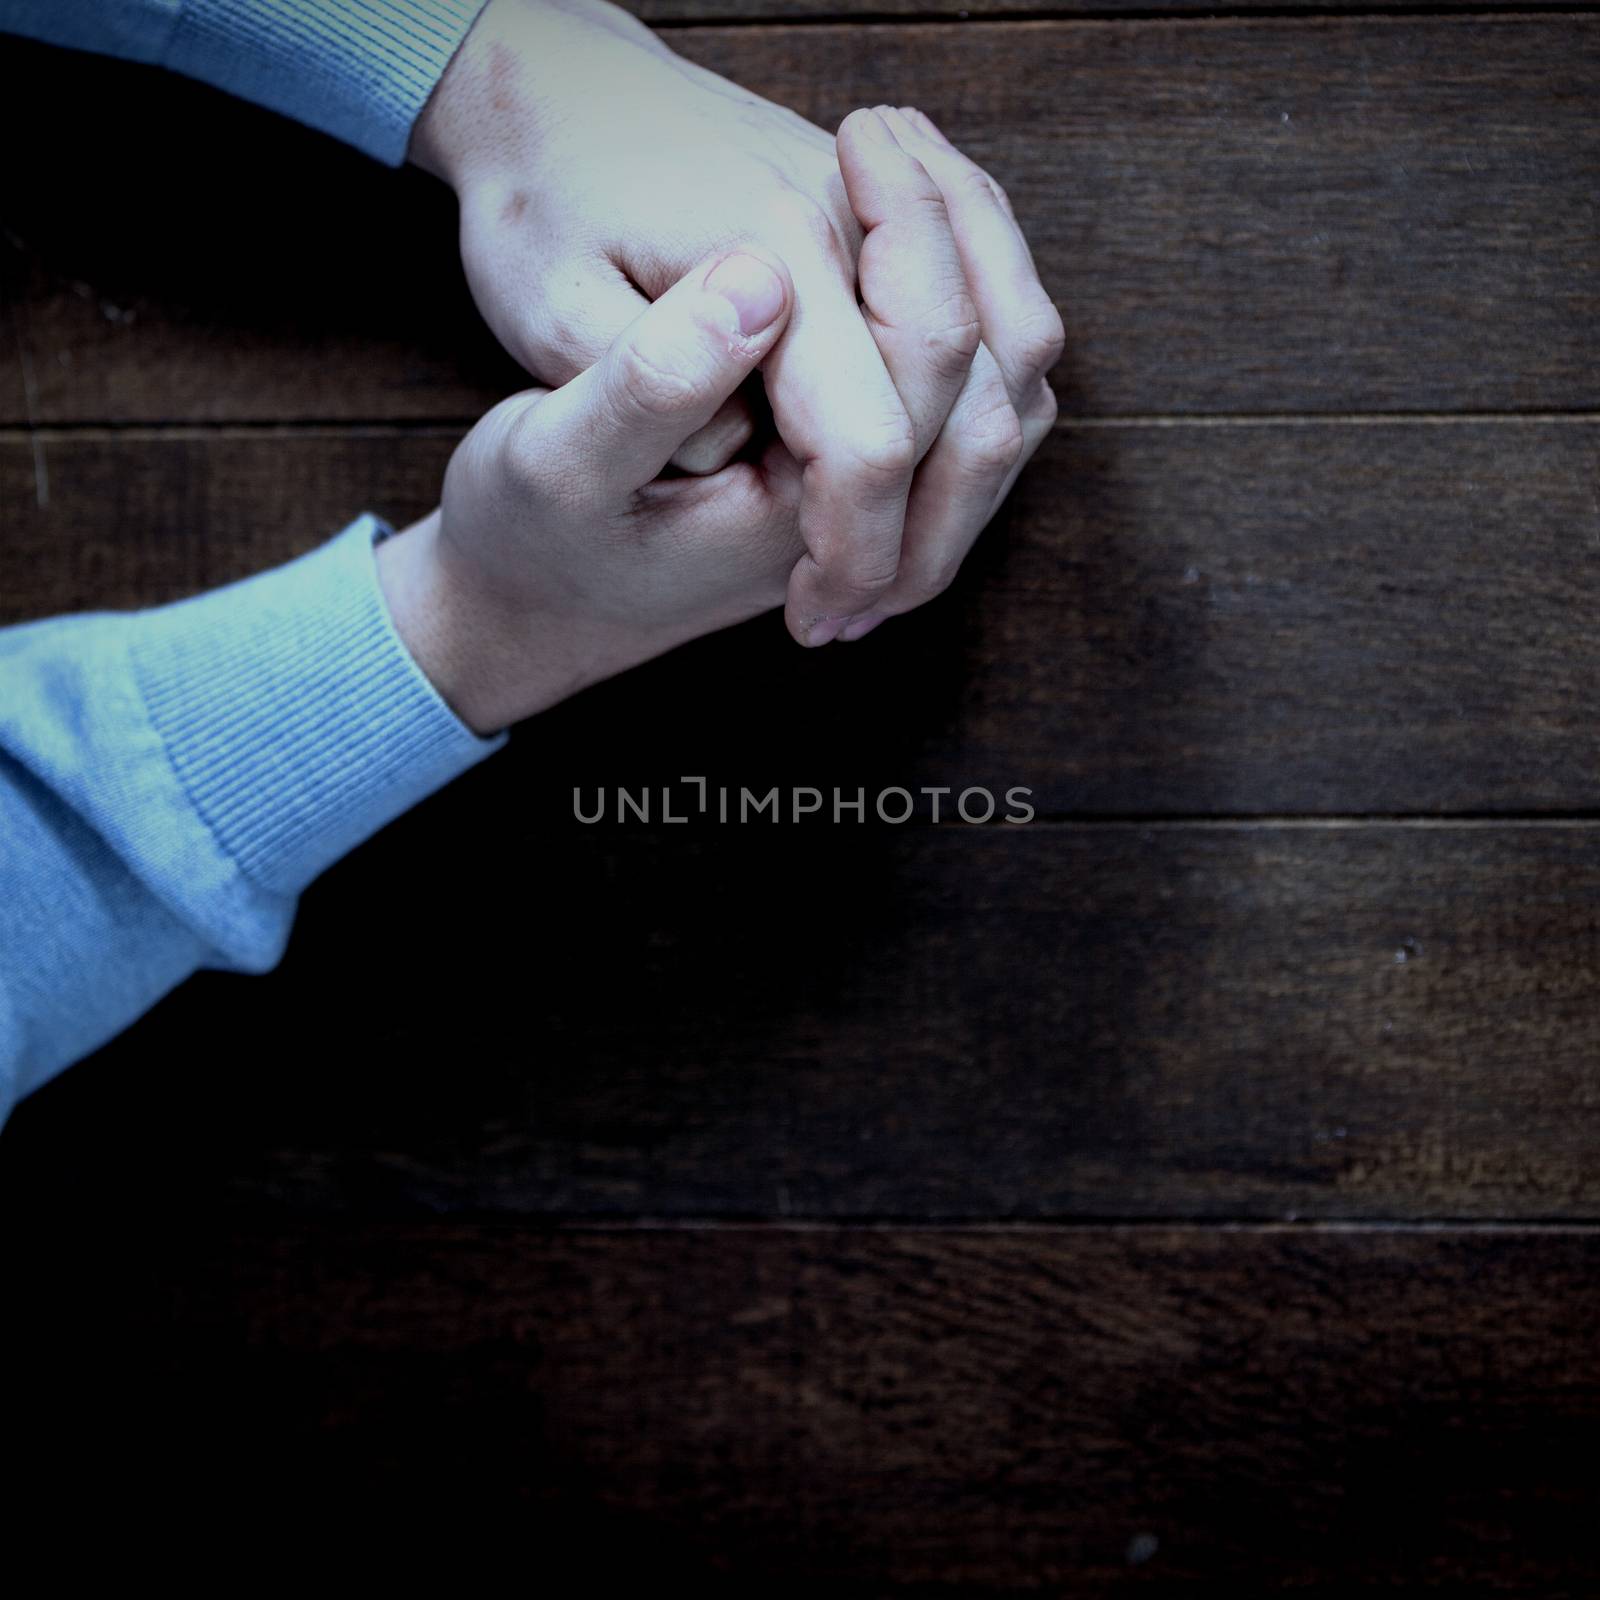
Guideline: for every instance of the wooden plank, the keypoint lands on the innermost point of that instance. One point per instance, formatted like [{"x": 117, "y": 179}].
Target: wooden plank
[
  {"x": 1243, "y": 216},
  {"x": 111, "y": 520},
  {"x": 877, "y": 1411},
  {"x": 1358, "y": 1021},
  {"x": 265, "y": 274},
  {"x": 1169, "y": 620},
  {"x": 673, "y": 14}
]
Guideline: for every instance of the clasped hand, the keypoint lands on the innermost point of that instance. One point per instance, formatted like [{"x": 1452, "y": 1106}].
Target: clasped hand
[{"x": 645, "y": 236}]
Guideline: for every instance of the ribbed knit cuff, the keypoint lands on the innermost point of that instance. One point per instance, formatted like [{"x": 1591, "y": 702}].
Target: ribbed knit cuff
[
  {"x": 296, "y": 720},
  {"x": 361, "y": 70}
]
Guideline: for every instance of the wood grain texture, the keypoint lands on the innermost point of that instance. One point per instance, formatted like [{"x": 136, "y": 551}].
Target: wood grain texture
[
  {"x": 485, "y": 1015},
  {"x": 1246, "y": 216},
  {"x": 874, "y": 1412},
  {"x": 673, "y": 14},
  {"x": 292, "y": 1266},
  {"x": 1167, "y": 620}
]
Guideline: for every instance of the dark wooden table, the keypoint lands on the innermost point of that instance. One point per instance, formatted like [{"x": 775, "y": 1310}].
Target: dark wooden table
[{"x": 1196, "y": 1187}]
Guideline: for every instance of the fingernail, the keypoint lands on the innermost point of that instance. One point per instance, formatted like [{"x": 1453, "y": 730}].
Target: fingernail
[
  {"x": 860, "y": 627},
  {"x": 899, "y": 125},
  {"x": 824, "y": 631},
  {"x": 751, "y": 287},
  {"x": 921, "y": 119},
  {"x": 876, "y": 129}
]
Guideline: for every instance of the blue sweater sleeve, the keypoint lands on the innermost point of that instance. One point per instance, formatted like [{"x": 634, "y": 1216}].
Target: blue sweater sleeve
[
  {"x": 361, "y": 70},
  {"x": 170, "y": 780}
]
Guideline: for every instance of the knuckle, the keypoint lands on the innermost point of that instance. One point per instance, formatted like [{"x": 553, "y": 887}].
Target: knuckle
[
  {"x": 850, "y": 578},
  {"x": 852, "y": 591},
  {"x": 928, "y": 203},
  {"x": 993, "y": 442},
  {"x": 1040, "y": 339},
  {"x": 888, "y": 458},
  {"x": 976, "y": 184},
  {"x": 979, "y": 185},
  {"x": 522, "y": 453},
  {"x": 649, "y": 384},
  {"x": 954, "y": 333}
]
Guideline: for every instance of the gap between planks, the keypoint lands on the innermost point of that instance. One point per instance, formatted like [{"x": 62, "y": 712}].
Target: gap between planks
[
  {"x": 576, "y": 1223},
  {"x": 1492, "y": 821},
  {"x": 1152, "y": 15}
]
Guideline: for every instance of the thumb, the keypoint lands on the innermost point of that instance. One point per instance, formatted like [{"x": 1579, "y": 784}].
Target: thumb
[{"x": 669, "y": 371}]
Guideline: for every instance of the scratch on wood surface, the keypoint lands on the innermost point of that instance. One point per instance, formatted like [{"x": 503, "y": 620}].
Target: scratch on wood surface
[{"x": 41, "y": 472}]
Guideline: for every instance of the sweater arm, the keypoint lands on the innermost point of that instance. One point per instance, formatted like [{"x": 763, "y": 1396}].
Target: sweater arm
[
  {"x": 171, "y": 780},
  {"x": 361, "y": 70}
]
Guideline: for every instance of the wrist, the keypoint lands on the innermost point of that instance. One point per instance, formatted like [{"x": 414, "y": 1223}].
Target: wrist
[
  {"x": 449, "y": 130},
  {"x": 488, "y": 114},
  {"x": 493, "y": 665},
  {"x": 483, "y": 115}
]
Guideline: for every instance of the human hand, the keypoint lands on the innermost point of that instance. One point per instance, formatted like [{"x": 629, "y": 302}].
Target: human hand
[
  {"x": 558, "y": 556},
  {"x": 593, "y": 165}
]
